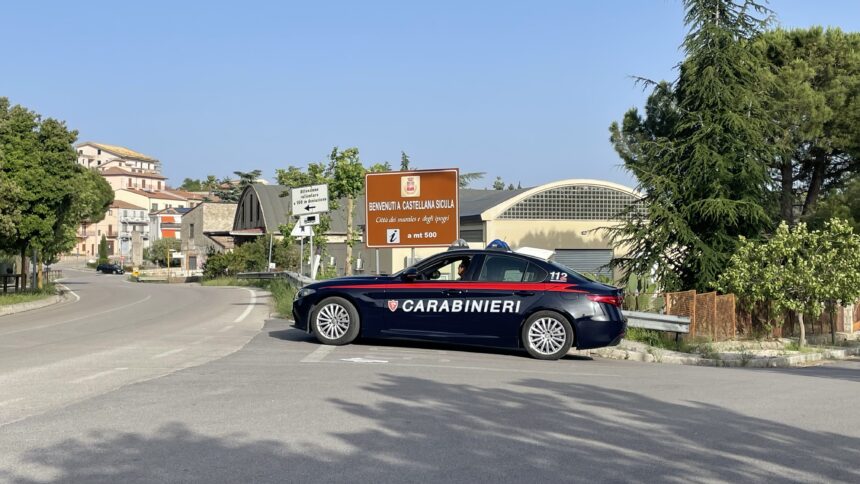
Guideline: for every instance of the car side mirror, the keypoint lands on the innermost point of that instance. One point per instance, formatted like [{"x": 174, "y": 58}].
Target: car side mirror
[{"x": 410, "y": 274}]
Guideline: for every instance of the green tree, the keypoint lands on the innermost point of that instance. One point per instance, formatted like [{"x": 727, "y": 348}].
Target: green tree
[
  {"x": 466, "y": 179},
  {"x": 701, "y": 154},
  {"x": 347, "y": 181},
  {"x": 229, "y": 190},
  {"x": 840, "y": 261},
  {"x": 380, "y": 167},
  {"x": 796, "y": 270},
  {"x": 10, "y": 207},
  {"x": 404, "y": 161},
  {"x": 159, "y": 250},
  {"x": 499, "y": 184},
  {"x": 210, "y": 183},
  {"x": 843, "y": 203},
  {"x": 814, "y": 99},
  {"x": 191, "y": 185},
  {"x": 103, "y": 251},
  {"x": 40, "y": 175}
]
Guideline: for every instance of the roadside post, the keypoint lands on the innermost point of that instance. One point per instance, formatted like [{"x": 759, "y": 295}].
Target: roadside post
[
  {"x": 300, "y": 232},
  {"x": 412, "y": 209},
  {"x": 308, "y": 204}
]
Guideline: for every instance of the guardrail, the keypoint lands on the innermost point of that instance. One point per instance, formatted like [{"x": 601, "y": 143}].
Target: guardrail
[
  {"x": 293, "y": 277},
  {"x": 659, "y": 322}
]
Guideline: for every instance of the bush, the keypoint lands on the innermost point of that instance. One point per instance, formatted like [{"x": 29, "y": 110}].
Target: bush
[{"x": 249, "y": 257}]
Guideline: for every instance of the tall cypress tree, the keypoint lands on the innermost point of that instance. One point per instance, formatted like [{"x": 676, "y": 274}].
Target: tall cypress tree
[{"x": 701, "y": 155}]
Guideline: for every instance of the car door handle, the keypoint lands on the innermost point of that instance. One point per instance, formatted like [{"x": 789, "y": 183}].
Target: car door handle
[
  {"x": 452, "y": 292},
  {"x": 524, "y": 293}
]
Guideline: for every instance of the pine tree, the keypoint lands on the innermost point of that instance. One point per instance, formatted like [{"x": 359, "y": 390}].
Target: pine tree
[
  {"x": 103, "y": 251},
  {"x": 701, "y": 156}
]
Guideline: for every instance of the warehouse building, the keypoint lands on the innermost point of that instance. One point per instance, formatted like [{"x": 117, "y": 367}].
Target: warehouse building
[{"x": 563, "y": 216}]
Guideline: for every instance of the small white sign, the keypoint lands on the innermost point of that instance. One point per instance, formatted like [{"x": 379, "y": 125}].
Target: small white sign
[
  {"x": 392, "y": 236},
  {"x": 312, "y": 199},
  {"x": 302, "y": 231},
  {"x": 310, "y": 219}
]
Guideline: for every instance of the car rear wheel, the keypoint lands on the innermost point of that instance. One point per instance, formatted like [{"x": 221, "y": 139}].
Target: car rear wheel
[
  {"x": 334, "y": 321},
  {"x": 547, "y": 335}
]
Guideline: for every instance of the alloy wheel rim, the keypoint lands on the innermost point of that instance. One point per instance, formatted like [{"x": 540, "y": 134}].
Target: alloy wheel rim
[
  {"x": 547, "y": 336},
  {"x": 333, "y": 321}
]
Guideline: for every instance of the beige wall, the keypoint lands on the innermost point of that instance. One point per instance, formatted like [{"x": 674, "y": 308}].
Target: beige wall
[
  {"x": 118, "y": 182},
  {"x": 550, "y": 234},
  {"x": 205, "y": 217},
  {"x": 90, "y": 235},
  {"x": 133, "y": 198},
  {"x": 89, "y": 156}
]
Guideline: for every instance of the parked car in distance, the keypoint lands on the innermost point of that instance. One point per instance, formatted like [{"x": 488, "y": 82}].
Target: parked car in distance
[{"x": 110, "y": 269}]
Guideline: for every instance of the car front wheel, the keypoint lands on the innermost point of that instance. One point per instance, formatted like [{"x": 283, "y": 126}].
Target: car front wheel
[
  {"x": 334, "y": 321},
  {"x": 547, "y": 335}
]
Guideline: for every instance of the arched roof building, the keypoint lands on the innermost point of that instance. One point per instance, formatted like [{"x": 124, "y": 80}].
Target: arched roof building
[{"x": 564, "y": 216}]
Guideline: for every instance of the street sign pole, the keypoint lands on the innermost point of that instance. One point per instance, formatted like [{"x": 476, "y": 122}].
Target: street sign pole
[
  {"x": 269, "y": 265},
  {"x": 302, "y": 256},
  {"x": 311, "y": 262}
]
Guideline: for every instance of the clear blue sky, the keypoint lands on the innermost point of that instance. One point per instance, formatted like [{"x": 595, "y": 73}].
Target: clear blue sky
[{"x": 522, "y": 90}]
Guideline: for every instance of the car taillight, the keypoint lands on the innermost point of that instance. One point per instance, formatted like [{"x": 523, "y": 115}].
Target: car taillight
[{"x": 613, "y": 300}]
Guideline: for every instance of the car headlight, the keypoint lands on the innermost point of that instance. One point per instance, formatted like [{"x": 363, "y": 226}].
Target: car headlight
[{"x": 304, "y": 292}]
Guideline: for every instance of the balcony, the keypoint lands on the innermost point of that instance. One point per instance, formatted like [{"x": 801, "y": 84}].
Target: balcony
[{"x": 134, "y": 220}]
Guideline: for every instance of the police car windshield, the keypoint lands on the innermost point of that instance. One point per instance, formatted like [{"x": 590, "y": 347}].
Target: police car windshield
[{"x": 576, "y": 275}]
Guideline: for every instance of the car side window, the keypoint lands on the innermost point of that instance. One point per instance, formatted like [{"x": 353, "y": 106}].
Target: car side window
[
  {"x": 535, "y": 274},
  {"x": 502, "y": 268},
  {"x": 447, "y": 269}
]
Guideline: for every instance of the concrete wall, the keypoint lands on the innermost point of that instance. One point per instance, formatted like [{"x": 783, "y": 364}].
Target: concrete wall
[{"x": 551, "y": 234}]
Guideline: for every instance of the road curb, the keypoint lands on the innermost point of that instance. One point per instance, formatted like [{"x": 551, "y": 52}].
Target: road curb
[
  {"x": 30, "y": 306},
  {"x": 649, "y": 354}
]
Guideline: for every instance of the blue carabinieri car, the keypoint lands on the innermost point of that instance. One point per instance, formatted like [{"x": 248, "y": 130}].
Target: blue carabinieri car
[{"x": 490, "y": 297}]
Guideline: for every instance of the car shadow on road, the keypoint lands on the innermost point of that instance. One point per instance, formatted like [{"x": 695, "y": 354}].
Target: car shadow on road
[
  {"x": 290, "y": 334},
  {"x": 421, "y": 430}
]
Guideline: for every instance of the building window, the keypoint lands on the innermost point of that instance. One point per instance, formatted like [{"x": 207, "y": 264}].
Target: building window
[
  {"x": 191, "y": 230},
  {"x": 572, "y": 202},
  {"x": 154, "y": 207},
  {"x": 99, "y": 152},
  {"x": 110, "y": 212},
  {"x": 159, "y": 185},
  {"x": 143, "y": 183}
]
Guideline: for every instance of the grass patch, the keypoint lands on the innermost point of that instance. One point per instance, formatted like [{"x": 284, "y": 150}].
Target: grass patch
[
  {"x": 225, "y": 281},
  {"x": 28, "y": 295},
  {"x": 794, "y": 346},
  {"x": 283, "y": 293}
]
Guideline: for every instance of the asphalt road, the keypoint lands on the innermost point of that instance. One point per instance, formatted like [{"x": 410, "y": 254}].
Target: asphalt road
[{"x": 284, "y": 409}]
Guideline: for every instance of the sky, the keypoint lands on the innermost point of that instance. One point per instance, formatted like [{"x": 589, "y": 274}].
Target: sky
[{"x": 521, "y": 90}]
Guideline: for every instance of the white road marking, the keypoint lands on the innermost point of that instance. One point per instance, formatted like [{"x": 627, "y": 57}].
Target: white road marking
[
  {"x": 9, "y": 402},
  {"x": 168, "y": 353},
  {"x": 202, "y": 340},
  {"x": 32, "y": 328},
  {"x": 97, "y": 375},
  {"x": 73, "y": 293},
  {"x": 363, "y": 360},
  {"x": 249, "y": 308},
  {"x": 318, "y": 354},
  {"x": 225, "y": 328}
]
